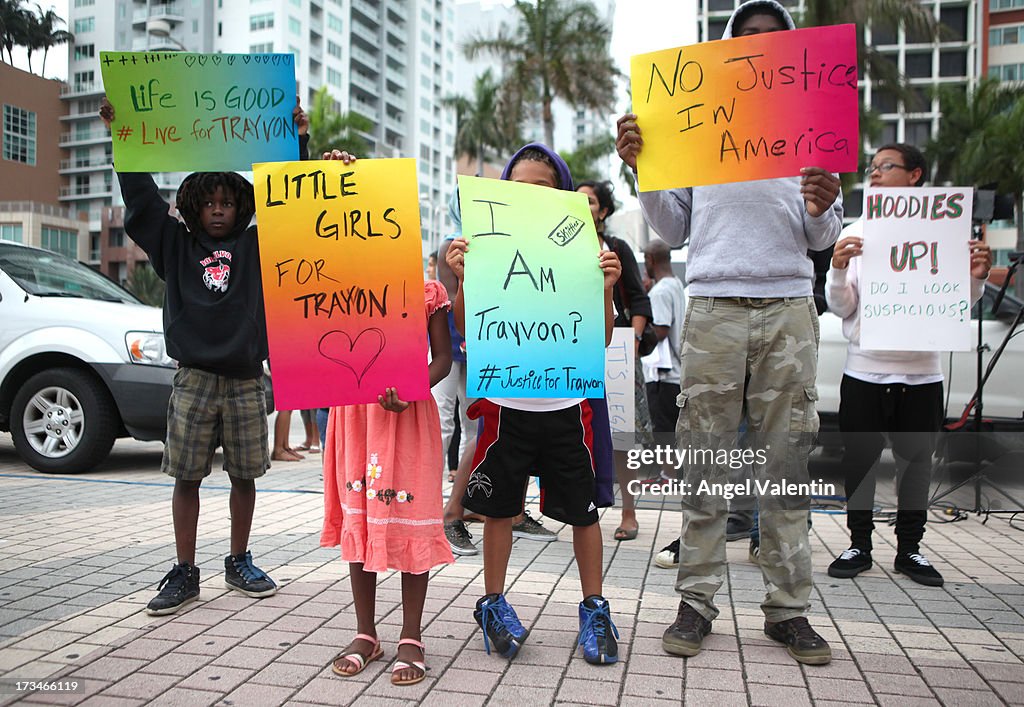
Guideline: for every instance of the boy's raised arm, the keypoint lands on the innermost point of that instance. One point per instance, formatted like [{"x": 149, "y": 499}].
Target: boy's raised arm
[{"x": 147, "y": 216}]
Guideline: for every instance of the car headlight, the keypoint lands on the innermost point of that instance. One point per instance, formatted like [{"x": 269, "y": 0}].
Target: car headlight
[{"x": 147, "y": 348}]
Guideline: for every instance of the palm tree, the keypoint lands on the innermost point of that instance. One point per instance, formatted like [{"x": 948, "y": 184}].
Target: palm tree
[
  {"x": 558, "y": 49},
  {"x": 583, "y": 160},
  {"x": 488, "y": 122},
  {"x": 979, "y": 142},
  {"x": 965, "y": 116},
  {"x": 13, "y": 26},
  {"x": 48, "y": 34},
  {"x": 332, "y": 130},
  {"x": 144, "y": 283}
]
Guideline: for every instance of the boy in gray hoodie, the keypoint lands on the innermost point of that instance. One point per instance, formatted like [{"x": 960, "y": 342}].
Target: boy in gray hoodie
[{"x": 749, "y": 346}]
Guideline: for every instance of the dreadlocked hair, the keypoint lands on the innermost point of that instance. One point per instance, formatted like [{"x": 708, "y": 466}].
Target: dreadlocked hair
[{"x": 197, "y": 187}]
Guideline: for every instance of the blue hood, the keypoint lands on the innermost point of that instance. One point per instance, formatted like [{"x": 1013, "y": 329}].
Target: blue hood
[{"x": 564, "y": 176}]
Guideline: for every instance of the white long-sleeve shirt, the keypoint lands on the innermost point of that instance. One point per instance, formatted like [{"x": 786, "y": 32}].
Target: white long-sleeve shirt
[{"x": 842, "y": 291}]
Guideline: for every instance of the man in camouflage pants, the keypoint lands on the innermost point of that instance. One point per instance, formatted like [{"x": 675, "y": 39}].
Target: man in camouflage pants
[{"x": 749, "y": 346}]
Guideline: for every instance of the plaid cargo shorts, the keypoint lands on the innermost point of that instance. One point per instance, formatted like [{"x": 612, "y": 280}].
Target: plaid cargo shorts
[{"x": 207, "y": 411}]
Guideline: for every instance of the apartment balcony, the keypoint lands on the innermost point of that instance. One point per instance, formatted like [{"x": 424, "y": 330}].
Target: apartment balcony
[
  {"x": 367, "y": 12},
  {"x": 72, "y": 90},
  {"x": 152, "y": 43},
  {"x": 365, "y": 58},
  {"x": 80, "y": 139},
  {"x": 365, "y": 109},
  {"x": 364, "y": 82},
  {"x": 89, "y": 165},
  {"x": 76, "y": 193},
  {"x": 170, "y": 12}
]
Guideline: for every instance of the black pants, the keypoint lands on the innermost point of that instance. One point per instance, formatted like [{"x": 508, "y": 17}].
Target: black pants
[
  {"x": 661, "y": 399},
  {"x": 911, "y": 415}
]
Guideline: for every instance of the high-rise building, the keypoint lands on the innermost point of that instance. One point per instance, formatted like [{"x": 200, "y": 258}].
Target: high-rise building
[
  {"x": 1004, "y": 40},
  {"x": 389, "y": 60},
  {"x": 1003, "y": 58},
  {"x": 927, "y": 63}
]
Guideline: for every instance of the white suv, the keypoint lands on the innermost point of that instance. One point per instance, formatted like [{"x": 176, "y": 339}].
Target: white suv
[
  {"x": 1002, "y": 397},
  {"x": 82, "y": 362}
]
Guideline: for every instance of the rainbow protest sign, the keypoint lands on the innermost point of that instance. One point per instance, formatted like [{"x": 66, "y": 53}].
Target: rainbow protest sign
[
  {"x": 176, "y": 111},
  {"x": 533, "y": 292},
  {"x": 342, "y": 280},
  {"x": 749, "y": 108}
]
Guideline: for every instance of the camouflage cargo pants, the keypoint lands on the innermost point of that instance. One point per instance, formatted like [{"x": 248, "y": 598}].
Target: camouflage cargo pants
[{"x": 757, "y": 356}]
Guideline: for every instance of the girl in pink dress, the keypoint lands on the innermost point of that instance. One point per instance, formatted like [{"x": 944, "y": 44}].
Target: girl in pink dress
[{"x": 383, "y": 505}]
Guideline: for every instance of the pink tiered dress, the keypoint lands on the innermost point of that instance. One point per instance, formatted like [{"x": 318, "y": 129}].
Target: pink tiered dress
[{"x": 382, "y": 481}]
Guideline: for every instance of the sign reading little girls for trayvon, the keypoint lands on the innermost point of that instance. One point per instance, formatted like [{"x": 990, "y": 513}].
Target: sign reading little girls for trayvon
[
  {"x": 533, "y": 292},
  {"x": 340, "y": 254},
  {"x": 915, "y": 285}
]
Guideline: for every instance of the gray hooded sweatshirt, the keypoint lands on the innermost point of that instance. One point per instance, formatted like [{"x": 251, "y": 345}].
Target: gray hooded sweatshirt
[{"x": 747, "y": 239}]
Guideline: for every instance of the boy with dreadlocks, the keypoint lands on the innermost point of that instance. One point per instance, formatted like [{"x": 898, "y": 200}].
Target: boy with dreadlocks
[{"x": 214, "y": 327}]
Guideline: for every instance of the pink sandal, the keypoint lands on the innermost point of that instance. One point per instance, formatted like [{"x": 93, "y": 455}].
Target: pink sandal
[
  {"x": 357, "y": 659},
  {"x": 402, "y": 665}
]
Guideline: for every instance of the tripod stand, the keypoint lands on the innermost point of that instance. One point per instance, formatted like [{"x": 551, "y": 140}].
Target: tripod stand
[{"x": 979, "y": 477}]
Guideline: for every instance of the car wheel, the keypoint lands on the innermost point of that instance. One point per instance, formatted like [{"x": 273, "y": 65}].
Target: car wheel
[{"x": 63, "y": 421}]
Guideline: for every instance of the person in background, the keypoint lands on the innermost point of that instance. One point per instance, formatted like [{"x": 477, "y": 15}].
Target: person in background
[{"x": 894, "y": 393}]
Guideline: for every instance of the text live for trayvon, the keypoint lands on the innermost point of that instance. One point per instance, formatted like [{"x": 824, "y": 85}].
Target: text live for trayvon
[{"x": 672, "y": 457}]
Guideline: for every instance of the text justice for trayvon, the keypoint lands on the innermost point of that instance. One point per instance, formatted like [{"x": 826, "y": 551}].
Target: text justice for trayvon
[{"x": 688, "y": 77}]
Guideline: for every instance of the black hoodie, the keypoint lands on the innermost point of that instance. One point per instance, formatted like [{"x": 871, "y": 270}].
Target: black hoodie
[{"x": 213, "y": 306}]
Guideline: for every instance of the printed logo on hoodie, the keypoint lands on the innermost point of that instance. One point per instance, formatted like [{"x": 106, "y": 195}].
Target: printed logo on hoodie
[{"x": 217, "y": 270}]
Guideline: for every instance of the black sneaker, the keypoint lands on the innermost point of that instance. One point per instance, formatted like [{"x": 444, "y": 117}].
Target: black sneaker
[
  {"x": 736, "y": 529},
  {"x": 685, "y": 635},
  {"x": 460, "y": 540},
  {"x": 850, "y": 563},
  {"x": 177, "y": 588},
  {"x": 242, "y": 575},
  {"x": 918, "y": 568},
  {"x": 668, "y": 557},
  {"x": 802, "y": 641}
]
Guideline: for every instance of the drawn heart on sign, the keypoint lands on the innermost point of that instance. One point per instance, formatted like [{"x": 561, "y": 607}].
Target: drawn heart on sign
[
  {"x": 202, "y": 60},
  {"x": 277, "y": 60},
  {"x": 258, "y": 59},
  {"x": 357, "y": 355},
  {"x": 190, "y": 59},
  {"x": 216, "y": 59},
  {"x": 246, "y": 58},
  {"x": 231, "y": 60}
]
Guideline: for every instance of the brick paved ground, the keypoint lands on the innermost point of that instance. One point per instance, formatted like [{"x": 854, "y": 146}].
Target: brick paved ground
[{"x": 80, "y": 557}]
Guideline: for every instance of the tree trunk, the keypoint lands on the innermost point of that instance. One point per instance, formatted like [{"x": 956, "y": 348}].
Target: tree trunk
[
  {"x": 549, "y": 123},
  {"x": 42, "y": 72},
  {"x": 1018, "y": 203},
  {"x": 480, "y": 164}
]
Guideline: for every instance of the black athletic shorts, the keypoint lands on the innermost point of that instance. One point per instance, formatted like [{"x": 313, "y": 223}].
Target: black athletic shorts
[{"x": 513, "y": 445}]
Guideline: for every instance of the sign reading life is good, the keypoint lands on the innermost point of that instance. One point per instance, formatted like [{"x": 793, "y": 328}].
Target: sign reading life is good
[
  {"x": 175, "y": 111},
  {"x": 754, "y": 107},
  {"x": 533, "y": 292},
  {"x": 915, "y": 283},
  {"x": 342, "y": 280}
]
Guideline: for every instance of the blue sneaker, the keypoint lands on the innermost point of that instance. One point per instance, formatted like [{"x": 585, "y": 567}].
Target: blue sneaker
[
  {"x": 500, "y": 625},
  {"x": 597, "y": 632}
]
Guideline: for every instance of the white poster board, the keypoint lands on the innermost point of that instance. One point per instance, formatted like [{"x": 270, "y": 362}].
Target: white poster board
[
  {"x": 620, "y": 387},
  {"x": 915, "y": 286}
]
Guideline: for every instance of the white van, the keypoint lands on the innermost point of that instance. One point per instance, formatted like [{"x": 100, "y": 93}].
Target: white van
[{"x": 82, "y": 362}]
